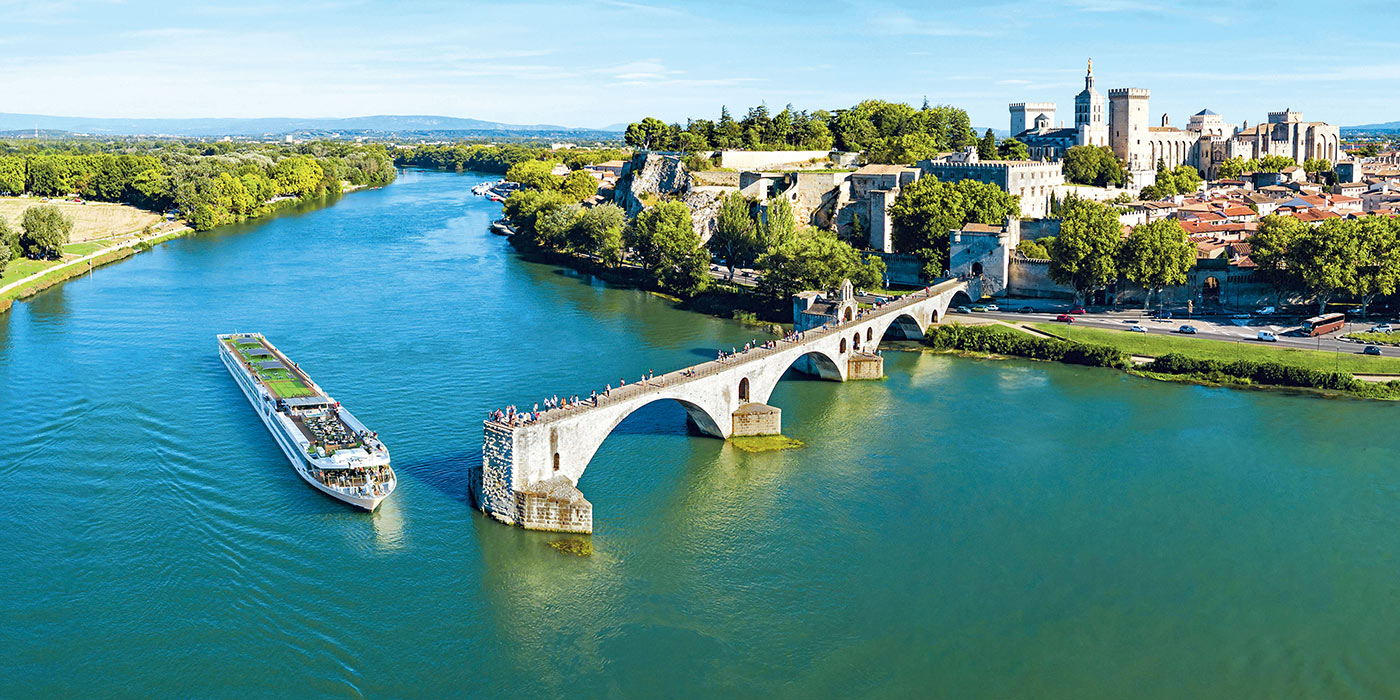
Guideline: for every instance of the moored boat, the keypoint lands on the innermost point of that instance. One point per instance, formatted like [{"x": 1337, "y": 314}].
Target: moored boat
[{"x": 330, "y": 448}]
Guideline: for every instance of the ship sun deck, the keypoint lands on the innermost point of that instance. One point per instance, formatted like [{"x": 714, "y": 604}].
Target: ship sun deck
[{"x": 280, "y": 375}]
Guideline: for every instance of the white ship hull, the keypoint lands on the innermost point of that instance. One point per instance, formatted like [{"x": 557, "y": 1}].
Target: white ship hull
[{"x": 265, "y": 406}]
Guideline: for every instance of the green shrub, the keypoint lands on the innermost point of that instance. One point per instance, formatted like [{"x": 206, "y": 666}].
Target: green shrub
[
  {"x": 1004, "y": 341},
  {"x": 1274, "y": 373}
]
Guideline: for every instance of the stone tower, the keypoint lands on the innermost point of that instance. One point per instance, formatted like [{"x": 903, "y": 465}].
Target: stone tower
[
  {"x": 1025, "y": 114},
  {"x": 1089, "y": 113},
  {"x": 1127, "y": 126}
]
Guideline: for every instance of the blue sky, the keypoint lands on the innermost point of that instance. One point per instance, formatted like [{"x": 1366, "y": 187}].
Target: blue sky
[{"x": 599, "y": 62}]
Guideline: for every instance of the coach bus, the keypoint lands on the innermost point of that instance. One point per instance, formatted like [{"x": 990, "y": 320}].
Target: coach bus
[{"x": 1326, "y": 323}]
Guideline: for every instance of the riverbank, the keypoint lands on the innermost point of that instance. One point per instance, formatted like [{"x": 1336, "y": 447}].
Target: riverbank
[
  {"x": 1004, "y": 340},
  {"x": 24, "y": 278}
]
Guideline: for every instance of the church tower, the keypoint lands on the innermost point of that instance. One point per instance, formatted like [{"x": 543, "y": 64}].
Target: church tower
[{"x": 1090, "y": 113}]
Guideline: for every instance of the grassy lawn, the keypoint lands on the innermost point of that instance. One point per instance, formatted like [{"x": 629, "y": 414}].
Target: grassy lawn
[
  {"x": 1154, "y": 344},
  {"x": 1377, "y": 338},
  {"x": 20, "y": 268},
  {"x": 81, "y": 249}
]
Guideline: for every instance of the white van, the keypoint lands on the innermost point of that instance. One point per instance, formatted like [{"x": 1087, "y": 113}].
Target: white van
[{"x": 1267, "y": 336}]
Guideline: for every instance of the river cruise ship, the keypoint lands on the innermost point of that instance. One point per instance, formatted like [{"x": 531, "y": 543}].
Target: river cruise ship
[{"x": 328, "y": 446}]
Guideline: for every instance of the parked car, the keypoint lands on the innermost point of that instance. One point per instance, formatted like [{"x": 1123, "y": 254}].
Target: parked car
[
  {"x": 1266, "y": 311},
  {"x": 1137, "y": 329},
  {"x": 1267, "y": 337},
  {"x": 962, "y": 310},
  {"x": 1065, "y": 317},
  {"x": 1382, "y": 328},
  {"x": 979, "y": 308},
  {"x": 991, "y": 307},
  {"x": 1241, "y": 315},
  {"x": 1078, "y": 310},
  {"x": 1025, "y": 310},
  {"x": 1188, "y": 330},
  {"x": 1372, "y": 350},
  {"x": 1161, "y": 314}
]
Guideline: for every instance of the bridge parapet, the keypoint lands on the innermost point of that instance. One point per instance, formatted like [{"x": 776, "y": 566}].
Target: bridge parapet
[{"x": 527, "y": 455}]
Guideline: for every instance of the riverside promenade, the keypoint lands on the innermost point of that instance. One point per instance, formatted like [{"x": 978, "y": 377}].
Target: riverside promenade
[{"x": 531, "y": 464}]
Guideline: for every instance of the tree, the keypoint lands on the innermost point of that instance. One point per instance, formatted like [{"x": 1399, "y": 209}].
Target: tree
[
  {"x": 1377, "y": 245},
  {"x": 525, "y": 208},
  {"x": 1325, "y": 257},
  {"x": 1011, "y": 149},
  {"x": 579, "y": 185},
  {"x": 650, "y": 134},
  {"x": 1269, "y": 249},
  {"x": 12, "y": 174},
  {"x": 1156, "y": 255},
  {"x": 598, "y": 231},
  {"x": 552, "y": 226},
  {"x": 1094, "y": 165},
  {"x": 1033, "y": 249},
  {"x": 297, "y": 176},
  {"x": 815, "y": 259},
  {"x": 926, "y": 211},
  {"x": 1188, "y": 179},
  {"x": 1313, "y": 166},
  {"x": 987, "y": 147},
  {"x": 45, "y": 231},
  {"x": 668, "y": 248},
  {"x": 779, "y": 225},
  {"x": 535, "y": 175},
  {"x": 1230, "y": 168},
  {"x": 736, "y": 237},
  {"x": 9, "y": 244},
  {"x": 1084, "y": 254}
]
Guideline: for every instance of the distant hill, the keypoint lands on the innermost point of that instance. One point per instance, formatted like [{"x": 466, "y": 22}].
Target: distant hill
[
  {"x": 1387, "y": 126},
  {"x": 276, "y": 126}
]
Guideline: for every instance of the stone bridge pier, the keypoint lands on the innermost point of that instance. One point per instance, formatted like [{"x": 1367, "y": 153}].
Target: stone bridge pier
[{"x": 530, "y": 468}]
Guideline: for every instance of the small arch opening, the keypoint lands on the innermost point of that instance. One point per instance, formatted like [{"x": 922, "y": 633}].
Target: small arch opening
[
  {"x": 556, "y": 461},
  {"x": 870, "y": 334},
  {"x": 843, "y": 346},
  {"x": 855, "y": 341},
  {"x": 977, "y": 268},
  {"x": 744, "y": 389},
  {"x": 849, "y": 314}
]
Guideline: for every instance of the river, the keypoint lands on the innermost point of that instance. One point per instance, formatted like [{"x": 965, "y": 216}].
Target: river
[{"x": 963, "y": 529}]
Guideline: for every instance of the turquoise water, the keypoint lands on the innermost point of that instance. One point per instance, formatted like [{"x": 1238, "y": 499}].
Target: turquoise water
[{"x": 961, "y": 529}]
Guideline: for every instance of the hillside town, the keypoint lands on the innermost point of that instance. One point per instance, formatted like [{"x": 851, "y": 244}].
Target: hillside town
[{"x": 1214, "y": 181}]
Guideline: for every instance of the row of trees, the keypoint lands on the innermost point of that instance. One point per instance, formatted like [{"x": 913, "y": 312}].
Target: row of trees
[
  {"x": 538, "y": 175},
  {"x": 1357, "y": 258},
  {"x": 1091, "y": 252},
  {"x": 662, "y": 241},
  {"x": 499, "y": 159},
  {"x": 924, "y": 213},
  {"x": 887, "y": 132},
  {"x": 1184, "y": 179},
  {"x": 229, "y": 186},
  {"x": 42, "y": 233},
  {"x": 1237, "y": 166}
]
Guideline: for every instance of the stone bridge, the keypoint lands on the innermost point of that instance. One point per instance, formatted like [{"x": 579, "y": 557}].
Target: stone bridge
[{"x": 530, "y": 470}]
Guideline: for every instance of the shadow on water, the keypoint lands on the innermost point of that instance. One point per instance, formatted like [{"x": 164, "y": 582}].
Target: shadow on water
[{"x": 450, "y": 473}]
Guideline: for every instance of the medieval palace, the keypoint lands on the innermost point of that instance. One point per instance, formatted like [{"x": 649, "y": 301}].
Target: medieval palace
[{"x": 1122, "y": 122}]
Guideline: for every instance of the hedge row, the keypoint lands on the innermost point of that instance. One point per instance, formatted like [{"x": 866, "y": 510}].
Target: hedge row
[
  {"x": 1003, "y": 341},
  {"x": 1258, "y": 372}
]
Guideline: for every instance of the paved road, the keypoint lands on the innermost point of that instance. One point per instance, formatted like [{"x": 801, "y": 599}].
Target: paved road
[{"x": 1229, "y": 330}]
